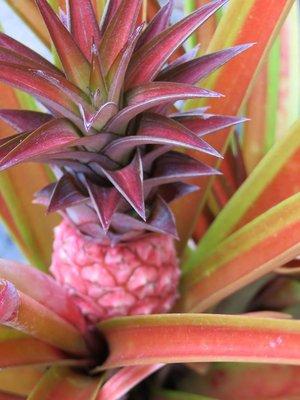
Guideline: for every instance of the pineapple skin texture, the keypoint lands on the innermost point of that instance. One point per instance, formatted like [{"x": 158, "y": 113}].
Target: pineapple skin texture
[{"x": 133, "y": 278}]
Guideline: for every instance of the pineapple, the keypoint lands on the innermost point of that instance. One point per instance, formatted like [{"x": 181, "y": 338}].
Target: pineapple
[{"x": 114, "y": 134}]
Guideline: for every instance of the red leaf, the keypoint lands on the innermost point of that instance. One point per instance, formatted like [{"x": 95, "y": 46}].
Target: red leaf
[
  {"x": 41, "y": 141},
  {"x": 105, "y": 201},
  {"x": 111, "y": 9},
  {"x": 207, "y": 123},
  {"x": 25, "y": 52},
  {"x": 116, "y": 74},
  {"x": 118, "y": 31},
  {"x": 194, "y": 70},
  {"x": 22, "y": 120},
  {"x": 75, "y": 64},
  {"x": 65, "y": 193},
  {"x": 129, "y": 182},
  {"x": 157, "y": 25},
  {"x": 147, "y": 62},
  {"x": 84, "y": 25},
  {"x": 153, "y": 94},
  {"x": 37, "y": 84},
  {"x": 176, "y": 167}
]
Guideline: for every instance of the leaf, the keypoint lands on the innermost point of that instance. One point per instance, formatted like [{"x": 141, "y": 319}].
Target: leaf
[
  {"x": 38, "y": 85},
  {"x": 205, "y": 124},
  {"x": 149, "y": 59},
  {"x": 153, "y": 94},
  {"x": 129, "y": 182},
  {"x": 84, "y": 26},
  {"x": 65, "y": 193},
  {"x": 63, "y": 383},
  {"x": 124, "y": 380},
  {"x": 27, "y": 379},
  {"x": 28, "y": 351},
  {"x": 75, "y": 65},
  {"x": 45, "y": 291},
  {"x": 12, "y": 52},
  {"x": 23, "y": 120},
  {"x": 270, "y": 111},
  {"x": 24, "y": 147},
  {"x": 160, "y": 221},
  {"x": 194, "y": 70},
  {"x": 144, "y": 340},
  {"x": 154, "y": 125},
  {"x": 156, "y": 129},
  {"x": 253, "y": 141},
  {"x": 117, "y": 71},
  {"x": 118, "y": 31},
  {"x": 274, "y": 180},
  {"x": 288, "y": 104},
  {"x": 110, "y": 11},
  {"x": 23, "y": 313},
  {"x": 259, "y": 247},
  {"x": 105, "y": 201},
  {"x": 255, "y": 23},
  {"x": 205, "y": 32},
  {"x": 158, "y": 24},
  {"x": 176, "y": 167},
  {"x": 5, "y": 396},
  {"x": 9, "y": 43},
  {"x": 97, "y": 83}
]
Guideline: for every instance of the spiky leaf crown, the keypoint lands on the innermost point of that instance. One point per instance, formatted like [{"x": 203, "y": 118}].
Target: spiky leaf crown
[{"x": 113, "y": 120}]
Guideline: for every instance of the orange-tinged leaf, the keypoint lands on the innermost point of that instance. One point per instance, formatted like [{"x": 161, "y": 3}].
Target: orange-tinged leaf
[
  {"x": 289, "y": 82},
  {"x": 254, "y": 130},
  {"x": 28, "y": 351},
  {"x": 259, "y": 247},
  {"x": 5, "y": 396},
  {"x": 65, "y": 384},
  {"x": 174, "y": 338},
  {"x": 21, "y": 312},
  {"x": 27, "y": 376},
  {"x": 45, "y": 291},
  {"x": 275, "y": 179},
  {"x": 99, "y": 7},
  {"x": 253, "y": 21}
]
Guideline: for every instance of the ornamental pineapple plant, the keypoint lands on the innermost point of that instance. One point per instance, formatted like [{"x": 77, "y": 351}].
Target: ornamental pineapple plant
[
  {"x": 129, "y": 143},
  {"x": 114, "y": 138}
]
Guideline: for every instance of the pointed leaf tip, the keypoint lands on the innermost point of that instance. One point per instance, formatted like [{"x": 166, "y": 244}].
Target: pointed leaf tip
[
  {"x": 118, "y": 31},
  {"x": 66, "y": 193},
  {"x": 129, "y": 182},
  {"x": 105, "y": 201},
  {"x": 150, "y": 58},
  {"x": 75, "y": 64},
  {"x": 84, "y": 25}
]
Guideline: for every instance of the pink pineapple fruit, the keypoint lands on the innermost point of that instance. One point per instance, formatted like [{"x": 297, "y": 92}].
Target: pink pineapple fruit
[{"x": 137, "y": 277}]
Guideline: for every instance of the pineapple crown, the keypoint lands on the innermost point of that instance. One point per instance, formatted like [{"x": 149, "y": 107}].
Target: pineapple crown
[{"x": 115, "y": 131}]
